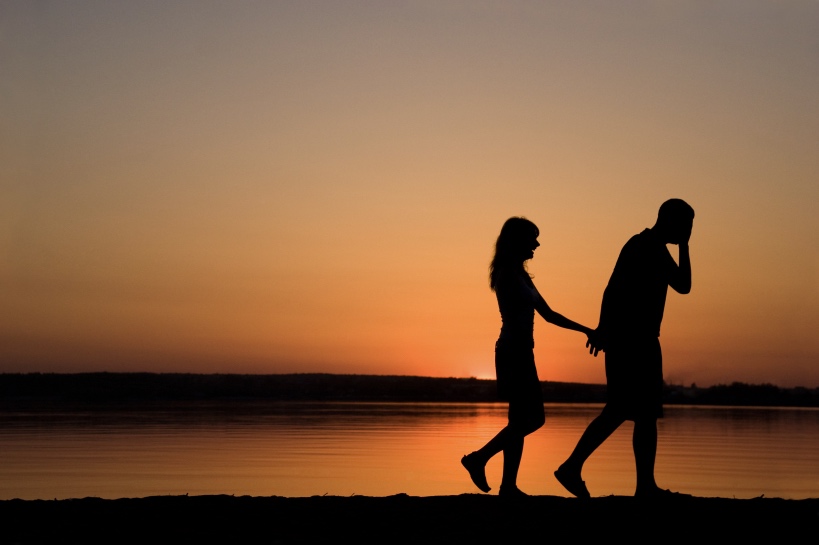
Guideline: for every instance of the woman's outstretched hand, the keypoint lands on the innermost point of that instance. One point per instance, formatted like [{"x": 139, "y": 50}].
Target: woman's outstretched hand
[{"x": 594, "y": 342}]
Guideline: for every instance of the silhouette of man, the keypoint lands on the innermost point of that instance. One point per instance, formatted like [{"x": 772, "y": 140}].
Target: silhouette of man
[{"x": 628, "y": 332}]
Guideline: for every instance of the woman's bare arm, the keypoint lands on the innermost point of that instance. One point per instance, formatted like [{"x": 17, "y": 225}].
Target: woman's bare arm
[{"x": 558, "y": 319}]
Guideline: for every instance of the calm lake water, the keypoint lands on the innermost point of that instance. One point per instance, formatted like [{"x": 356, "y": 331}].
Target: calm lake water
[{"x": 378, "y": 449}]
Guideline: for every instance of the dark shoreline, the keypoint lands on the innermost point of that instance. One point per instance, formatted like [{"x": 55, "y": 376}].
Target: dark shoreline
[
  {"x": 468, "y": 518},
  {"x": 102, "y": 391}
]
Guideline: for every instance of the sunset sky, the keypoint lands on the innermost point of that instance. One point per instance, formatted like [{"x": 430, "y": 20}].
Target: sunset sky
[{"x": 269, "y": 187}]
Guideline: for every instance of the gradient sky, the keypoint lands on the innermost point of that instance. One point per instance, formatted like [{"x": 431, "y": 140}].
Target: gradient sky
[{"x": 265, "y": 187}]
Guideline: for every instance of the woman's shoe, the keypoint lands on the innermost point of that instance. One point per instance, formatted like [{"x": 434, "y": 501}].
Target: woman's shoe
[{"x": 477, "y": 471}]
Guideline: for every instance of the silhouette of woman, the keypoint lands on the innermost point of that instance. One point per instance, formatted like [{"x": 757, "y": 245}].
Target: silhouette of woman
[{"x": 517, "y": 379}]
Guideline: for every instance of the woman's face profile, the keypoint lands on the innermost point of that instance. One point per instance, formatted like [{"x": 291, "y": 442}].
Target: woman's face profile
[{"x": 530, "y": 245}]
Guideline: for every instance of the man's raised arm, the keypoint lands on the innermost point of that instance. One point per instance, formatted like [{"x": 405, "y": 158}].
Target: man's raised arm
[{"x": 681, "y": 279}]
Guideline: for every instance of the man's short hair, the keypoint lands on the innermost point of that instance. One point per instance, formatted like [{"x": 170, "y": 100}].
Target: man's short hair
[{"x": 674, "y": 209}]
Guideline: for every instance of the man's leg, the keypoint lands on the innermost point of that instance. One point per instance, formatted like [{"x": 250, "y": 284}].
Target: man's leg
[
  {"x": 596, "y": 433},
  {"x": 568, "y": 474},
  {"x": 644, "y": 443},
  {"x": 649, "y": 391}
]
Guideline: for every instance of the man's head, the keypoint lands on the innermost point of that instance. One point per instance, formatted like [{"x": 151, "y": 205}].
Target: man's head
[{"x": 674, "y": 221}]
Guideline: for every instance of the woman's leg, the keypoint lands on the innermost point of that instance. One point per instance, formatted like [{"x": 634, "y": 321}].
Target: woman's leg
[
  {"x": 475, "y": 463},
  {"x": 512, "y": 454},
  {"x": 495, "y": 445},
  {"x": 510, "y": 442},
  {"x": 525, "y": 417},
  {"x": 523, "y": 420}
]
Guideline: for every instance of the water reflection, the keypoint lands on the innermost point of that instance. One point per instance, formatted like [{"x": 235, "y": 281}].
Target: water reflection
[{"x": 302, "y": 449}]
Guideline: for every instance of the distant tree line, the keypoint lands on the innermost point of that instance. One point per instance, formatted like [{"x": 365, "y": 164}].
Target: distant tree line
[
  {"x": 111, "y": 390},
  {"x": 741, "y": 394}
]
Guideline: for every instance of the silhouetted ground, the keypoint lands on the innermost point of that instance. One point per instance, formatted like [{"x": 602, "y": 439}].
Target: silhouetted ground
[{"x": 469, "y": 518}]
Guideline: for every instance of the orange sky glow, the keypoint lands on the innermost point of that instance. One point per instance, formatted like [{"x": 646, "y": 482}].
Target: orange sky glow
[{"x": 277, "y": 187}]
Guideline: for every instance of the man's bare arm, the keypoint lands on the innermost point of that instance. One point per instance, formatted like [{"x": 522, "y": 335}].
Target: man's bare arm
[{"x": 681, "y": 279}]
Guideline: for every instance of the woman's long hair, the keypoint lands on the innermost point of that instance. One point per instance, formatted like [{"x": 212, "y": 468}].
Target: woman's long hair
[{"x": 511, "y": 248}]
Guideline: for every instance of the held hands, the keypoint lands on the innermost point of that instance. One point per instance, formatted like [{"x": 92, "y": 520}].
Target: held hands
[{"x": 594, "y": 342}]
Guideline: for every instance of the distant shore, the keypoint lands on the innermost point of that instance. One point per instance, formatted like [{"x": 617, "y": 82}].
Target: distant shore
[
  {"x": 468, "y": 518},
  {"x": 30, "y": 391}
]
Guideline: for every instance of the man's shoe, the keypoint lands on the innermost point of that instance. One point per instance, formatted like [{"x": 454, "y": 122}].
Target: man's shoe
[{"x": 572, "y": 482}]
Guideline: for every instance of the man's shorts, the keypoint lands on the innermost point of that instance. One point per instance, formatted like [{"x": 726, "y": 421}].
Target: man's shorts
[{"x": 634, "y": 377}]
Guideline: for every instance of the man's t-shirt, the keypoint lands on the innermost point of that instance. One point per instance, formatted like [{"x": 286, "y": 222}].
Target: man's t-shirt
[{"x": 634, "y": 299}]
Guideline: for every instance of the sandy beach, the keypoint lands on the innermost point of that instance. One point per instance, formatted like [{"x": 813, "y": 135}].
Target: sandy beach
[{"x": 468, "y": 518}]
